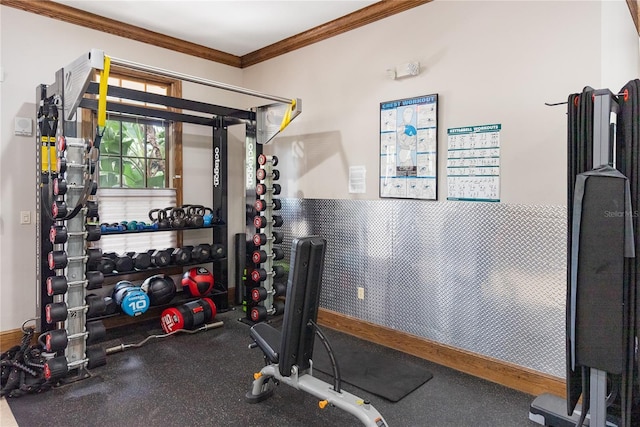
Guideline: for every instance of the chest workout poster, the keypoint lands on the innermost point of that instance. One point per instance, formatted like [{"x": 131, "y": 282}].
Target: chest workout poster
[{"x": 409, "y": 148}]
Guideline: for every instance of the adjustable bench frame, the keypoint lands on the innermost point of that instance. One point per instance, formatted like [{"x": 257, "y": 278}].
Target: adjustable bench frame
[{"x": 289, "y": 352}]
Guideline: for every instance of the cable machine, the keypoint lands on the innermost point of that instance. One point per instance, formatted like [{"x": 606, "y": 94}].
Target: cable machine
[
  {"x": 602, "y": 274},
  {"x": 66, "y": 218}
]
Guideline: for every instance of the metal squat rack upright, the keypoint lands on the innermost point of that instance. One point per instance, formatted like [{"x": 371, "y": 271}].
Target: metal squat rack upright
[
  {"x": 66, "y": 186},
  {"x": 267, "y": 290}
]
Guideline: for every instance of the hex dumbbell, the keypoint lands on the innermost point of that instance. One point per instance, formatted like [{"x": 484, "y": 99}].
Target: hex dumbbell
[
  {"x": 160, "y": 257},
  {"x": 122, "y": 263},
  {"x": 201, "y": 252},
  {"x": 182, "y": 256},
  {"x": 141, "y": 260}
]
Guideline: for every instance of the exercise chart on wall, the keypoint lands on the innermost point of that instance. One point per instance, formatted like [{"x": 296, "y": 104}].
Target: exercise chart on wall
[
  {"x": 473, "y": 163},
  {"x": 408, "y": 148}
]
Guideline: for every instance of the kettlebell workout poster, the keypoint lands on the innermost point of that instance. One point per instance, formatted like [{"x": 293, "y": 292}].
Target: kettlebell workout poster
[{"x": 408, "y": 148}]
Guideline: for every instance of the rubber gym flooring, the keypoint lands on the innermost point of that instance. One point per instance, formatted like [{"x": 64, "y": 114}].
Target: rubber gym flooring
[{"x": 201, "y": 380}]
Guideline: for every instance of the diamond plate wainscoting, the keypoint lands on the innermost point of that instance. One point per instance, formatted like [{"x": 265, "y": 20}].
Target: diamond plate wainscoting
[{"x": 489, "y": 278}]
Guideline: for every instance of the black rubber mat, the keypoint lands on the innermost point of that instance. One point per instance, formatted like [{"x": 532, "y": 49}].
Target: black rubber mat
[{"x": 370, "y": 367}]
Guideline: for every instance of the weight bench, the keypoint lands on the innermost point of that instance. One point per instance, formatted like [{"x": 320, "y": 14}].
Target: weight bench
[{"x": 288, "y": 353}]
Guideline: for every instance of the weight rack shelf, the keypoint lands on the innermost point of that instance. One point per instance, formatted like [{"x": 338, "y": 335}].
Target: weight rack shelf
[
  {"x": 113, "y": 233},
  {"x": 180, "y": 298},
  {"x": 160, "y": 269}
]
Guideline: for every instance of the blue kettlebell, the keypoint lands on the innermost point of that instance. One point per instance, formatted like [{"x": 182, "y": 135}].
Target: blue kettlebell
[{"x": 207, "y": 217}]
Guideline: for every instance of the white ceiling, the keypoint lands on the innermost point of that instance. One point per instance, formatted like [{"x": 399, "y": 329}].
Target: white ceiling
[{"x": 236, "y": 27}]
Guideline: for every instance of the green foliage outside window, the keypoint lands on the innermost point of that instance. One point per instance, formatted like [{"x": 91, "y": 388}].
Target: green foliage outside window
[{"x": 133, "y": 155}]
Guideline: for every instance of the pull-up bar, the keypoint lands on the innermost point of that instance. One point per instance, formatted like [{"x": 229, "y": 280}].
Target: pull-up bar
[{"x": 193, "y": 79}]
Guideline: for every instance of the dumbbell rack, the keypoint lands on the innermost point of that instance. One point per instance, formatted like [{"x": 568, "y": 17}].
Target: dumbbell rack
[
  {"x": 67, "y": 331},
  {"x": 264, "y": 240}
]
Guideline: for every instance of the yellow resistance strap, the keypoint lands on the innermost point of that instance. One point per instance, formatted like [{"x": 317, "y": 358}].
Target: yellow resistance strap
[
  {"x": 102, "y": 93},
  {"x": 287, "y": 115}
]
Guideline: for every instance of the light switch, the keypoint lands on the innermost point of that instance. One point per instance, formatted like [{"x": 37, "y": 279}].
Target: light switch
[{"x": 25, "y": 217}]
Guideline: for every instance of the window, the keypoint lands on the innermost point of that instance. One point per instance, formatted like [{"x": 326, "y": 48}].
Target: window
[
  {"x": 133, "y": 154},
  {"x": 134, "y": 167}
]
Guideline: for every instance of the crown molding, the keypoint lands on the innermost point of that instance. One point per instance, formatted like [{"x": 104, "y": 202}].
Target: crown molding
[
  {"x": 346, "y": 23},
  {"x": 111, "y": 26},
  {"x": 359, "y": 18}
]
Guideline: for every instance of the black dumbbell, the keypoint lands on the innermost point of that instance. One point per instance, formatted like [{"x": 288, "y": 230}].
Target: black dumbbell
[
  {"x": 263, "y": 159},
  {"x": 92, "y": 209},
  {"x": 262, "y": 205},
  {"x": 59, "y": 259},
  {"x": 95, "y": 279},
  {"x": 261, "y": 256},
  {"x": 141, "y": 261},
  {"x": 260, "y": 274},
  {"x": 123, "y": 263},
  {"x": 263, "y": 189},
  {"x": 218, "y": 251},
  {"x": 182, "y": 255},
  {"x": 261, "y": 222},
  {"x": 106, "y": 265},
  {"x": 58, "y": 311},
  {"x": 260, "y": 239},
  {"x": 58, "y": 339},
  {"x": 201, "y": 252},
  {"x": 59, "y": 209},
  {"x": 262, "y": 174},
  {"x": 260, "y": 293},
  {"x": 160, "y": 257},
  {"x": 58, "y": 234},
  {"x": 259, "y": 313},
  {"x": 56, "y": 285}
]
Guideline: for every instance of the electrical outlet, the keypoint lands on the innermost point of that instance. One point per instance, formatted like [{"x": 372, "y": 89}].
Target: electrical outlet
[
  {"x": 360, "y": 293},
  {"x": 25, "y": 217}
]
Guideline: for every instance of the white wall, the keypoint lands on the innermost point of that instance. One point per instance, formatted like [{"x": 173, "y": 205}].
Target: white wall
[
  {"x": 32, "y": 49},
  {"x": 620, "y": 44},
  {"x": 490, "y": 62}
]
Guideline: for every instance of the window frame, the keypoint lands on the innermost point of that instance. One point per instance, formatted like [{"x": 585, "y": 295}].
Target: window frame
[{"x": 173, "y": 156}]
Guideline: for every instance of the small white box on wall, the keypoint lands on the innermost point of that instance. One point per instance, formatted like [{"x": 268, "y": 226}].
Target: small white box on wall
[{"x": 23, "y": 126}]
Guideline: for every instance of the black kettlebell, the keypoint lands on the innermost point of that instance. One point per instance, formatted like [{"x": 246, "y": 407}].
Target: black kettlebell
[
  {"x": 159, "y": 216},
  {"x": 178, "y": 217},
  {"x": 195, "y": 214}
]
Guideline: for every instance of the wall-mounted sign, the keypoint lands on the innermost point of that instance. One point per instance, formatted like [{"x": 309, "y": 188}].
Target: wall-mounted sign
[
  {"x": 409, "y": 148},
  {"x": 473, "y": 163}
]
